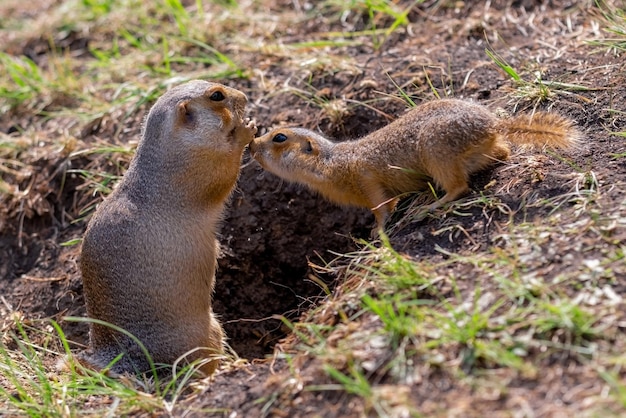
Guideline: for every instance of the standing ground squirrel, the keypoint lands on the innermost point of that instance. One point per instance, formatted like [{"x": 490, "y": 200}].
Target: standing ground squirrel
[
  {"x": 149, "y": 253},
  {"x": 443, "y": 140}
]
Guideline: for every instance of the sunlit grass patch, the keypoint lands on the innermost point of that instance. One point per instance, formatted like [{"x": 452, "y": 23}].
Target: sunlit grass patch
[
  {"x": 535, "y": 88},
  {"x": 26, "y": 78},
  {"x": 33, "y": 386},
  {"x": 39, "y": 378},
  {"x": 382, "y": 17},
  {"x": 511, "y": 310},
  {"x": 126, "y": 40},
  {"x": 613, "y": 16}
]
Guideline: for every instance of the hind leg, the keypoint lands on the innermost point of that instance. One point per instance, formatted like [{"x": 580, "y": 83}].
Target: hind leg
[
  {"x": 453, "y": 180},
  {"x": 381, "y": 212},
  {"x": 214, "y": 346},
  {"x": 500, "y": 151},
  {"x": 485, "y": 155},
  {"x": 379, "y": 201}
]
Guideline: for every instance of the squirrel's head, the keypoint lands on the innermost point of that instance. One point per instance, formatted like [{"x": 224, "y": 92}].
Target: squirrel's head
[
  {"x": 198, "y": 115},
  {"x": 290, "y": 152}
]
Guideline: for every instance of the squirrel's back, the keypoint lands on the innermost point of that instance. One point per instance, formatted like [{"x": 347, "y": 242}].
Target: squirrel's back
[{"x": 444, "y": 125}]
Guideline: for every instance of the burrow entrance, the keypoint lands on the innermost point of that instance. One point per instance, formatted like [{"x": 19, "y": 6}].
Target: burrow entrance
[
  {"x": 270, "y": 234},
  {"x": 273, "y": 231}
]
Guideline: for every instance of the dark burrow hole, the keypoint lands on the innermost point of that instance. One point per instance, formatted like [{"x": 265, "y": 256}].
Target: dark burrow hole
[
  {"x": 273, "y": 232},
  {"x": 250, "y": 315}
]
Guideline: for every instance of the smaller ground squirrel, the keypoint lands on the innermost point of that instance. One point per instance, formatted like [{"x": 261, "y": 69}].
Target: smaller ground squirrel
[
  {"x": 149, "y": 252},
  {"x": 443, "y": 141}
]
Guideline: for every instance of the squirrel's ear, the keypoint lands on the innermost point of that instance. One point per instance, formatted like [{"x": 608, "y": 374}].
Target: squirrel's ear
[
  {"x": 309, "y": 147},
  {"x": 184, "y": 111}
]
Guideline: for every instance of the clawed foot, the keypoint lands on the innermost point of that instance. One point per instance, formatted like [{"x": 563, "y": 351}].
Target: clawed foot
[
  {"x": 246, "y": 131},
  {"x": 376, "y": 232},
  {"x": 250, "y": 124}
]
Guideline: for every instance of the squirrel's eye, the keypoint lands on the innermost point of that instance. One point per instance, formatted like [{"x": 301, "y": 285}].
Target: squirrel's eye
[
  {"x": 217, "y": 96},
  {"x": 278, "y": 138}
]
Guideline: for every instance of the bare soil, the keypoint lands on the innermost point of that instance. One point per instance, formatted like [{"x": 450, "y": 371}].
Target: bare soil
[{"x": 274, "y": 230}]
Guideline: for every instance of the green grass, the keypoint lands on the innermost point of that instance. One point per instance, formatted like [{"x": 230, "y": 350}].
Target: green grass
[
  {"x": 420, "y": 312},
  {"x": 533, "y": 87},
  {"x": 376, "y": 13},
  {"x": 614, "y": 26},
  {"x": 26, "y": 77},
  {"x": 136, "y": 51},
  {"x": 132, "y": 42},
  {"x": 31, "y": 357},
  {"x": 29, "y": 390}
]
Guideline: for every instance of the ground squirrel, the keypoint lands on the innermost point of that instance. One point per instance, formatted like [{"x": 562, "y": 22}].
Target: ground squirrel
[
  {"x": 149, "y": 253},
  {"x": 443, "y": 140}
]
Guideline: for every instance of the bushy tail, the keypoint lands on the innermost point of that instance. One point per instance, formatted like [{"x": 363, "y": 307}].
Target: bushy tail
[{"x": 540, "y": 130}]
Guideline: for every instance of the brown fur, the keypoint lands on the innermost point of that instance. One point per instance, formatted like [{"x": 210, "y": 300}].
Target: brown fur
[
  {"x": 149, "y": 253},
  {"x": 444, "y": 141}
]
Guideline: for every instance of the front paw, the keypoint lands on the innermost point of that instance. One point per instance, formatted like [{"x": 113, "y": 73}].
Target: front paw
[
  {"x": 245, "y": 133},
  {"x": 251, "y": 126}
]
